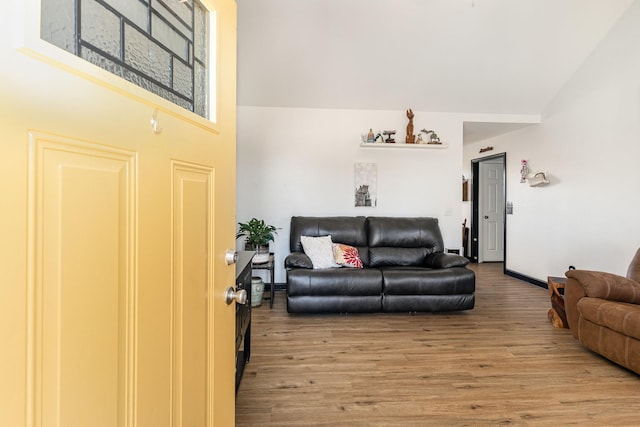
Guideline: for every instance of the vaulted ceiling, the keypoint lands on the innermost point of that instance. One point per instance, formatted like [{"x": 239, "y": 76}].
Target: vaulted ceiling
[{"x": 470, "y": 56}]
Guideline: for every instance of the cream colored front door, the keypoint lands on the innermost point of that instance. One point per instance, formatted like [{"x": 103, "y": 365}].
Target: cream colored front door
[{"x": 113, "y": 235}]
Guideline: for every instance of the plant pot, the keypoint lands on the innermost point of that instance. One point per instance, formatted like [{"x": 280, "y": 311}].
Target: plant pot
[
  {"x": 262, "y": 253},
  {"x": 257, "y": 291}
]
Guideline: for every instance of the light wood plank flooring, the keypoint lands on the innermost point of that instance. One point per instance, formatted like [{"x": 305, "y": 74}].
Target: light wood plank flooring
[{"x": 502, "y": 363}]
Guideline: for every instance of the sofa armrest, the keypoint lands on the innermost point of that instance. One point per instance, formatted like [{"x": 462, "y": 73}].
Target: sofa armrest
[
  {"x": 573, "y": 292},
  {"x": 442, "y": 260},
  {"x": 297, "y": 260},
  {"x": 608, "y": 286}
]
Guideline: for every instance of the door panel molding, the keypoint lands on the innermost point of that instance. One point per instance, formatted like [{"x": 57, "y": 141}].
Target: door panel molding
[
  {"x": 192, "y": 291},
  {"x": 81, "y": 330}
]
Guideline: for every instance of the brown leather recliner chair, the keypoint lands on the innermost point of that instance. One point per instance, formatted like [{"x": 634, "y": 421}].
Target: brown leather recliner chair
[{"x": 603, "y": 311}]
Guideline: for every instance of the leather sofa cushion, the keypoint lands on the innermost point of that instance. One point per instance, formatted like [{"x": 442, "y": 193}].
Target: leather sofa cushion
[
  {"x": 428, "y": 303},
  {"x": 442, "y": 260},
  {"x": 336, "y": 282},
  {"x": 349, "y": 230},
  {"x": 618, "y": 316},
  {"x": 424, "y": 281},
  {"x": 414, "y": 257},
  {"x": 334, "y": 304},
  {"x": 387, "y": 256},
  {"x": 405, "y": 232}
]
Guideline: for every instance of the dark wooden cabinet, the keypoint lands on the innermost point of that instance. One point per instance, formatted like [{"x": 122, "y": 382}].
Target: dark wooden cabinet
[{"x": 243, "y": 314}]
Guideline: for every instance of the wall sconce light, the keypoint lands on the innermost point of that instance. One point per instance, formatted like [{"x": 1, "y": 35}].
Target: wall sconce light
[{"x": 537, "y": 179}]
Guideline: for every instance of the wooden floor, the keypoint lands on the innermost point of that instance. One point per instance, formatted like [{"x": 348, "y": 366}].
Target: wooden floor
[{"x": 501, "y": 363}]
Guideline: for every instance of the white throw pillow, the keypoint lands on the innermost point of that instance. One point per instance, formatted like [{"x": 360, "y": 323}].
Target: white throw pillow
[{"x": 320, "y": 250}]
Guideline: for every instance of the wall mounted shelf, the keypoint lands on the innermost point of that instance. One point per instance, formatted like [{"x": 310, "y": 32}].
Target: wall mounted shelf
[{"x": 403, "y": 145}]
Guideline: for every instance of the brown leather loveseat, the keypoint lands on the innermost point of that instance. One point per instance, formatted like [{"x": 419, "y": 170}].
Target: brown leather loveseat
[{"x": 603, "y": 311}]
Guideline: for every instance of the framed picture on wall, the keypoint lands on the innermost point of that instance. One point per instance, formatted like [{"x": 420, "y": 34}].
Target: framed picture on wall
[{"x": 366, "y": 185}]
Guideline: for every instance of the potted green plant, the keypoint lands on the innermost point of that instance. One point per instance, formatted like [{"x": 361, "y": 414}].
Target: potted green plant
[{"x": 257, "y": 235}]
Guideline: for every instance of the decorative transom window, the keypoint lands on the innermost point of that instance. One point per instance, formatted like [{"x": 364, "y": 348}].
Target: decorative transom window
[{"x": 159, "y": 45}]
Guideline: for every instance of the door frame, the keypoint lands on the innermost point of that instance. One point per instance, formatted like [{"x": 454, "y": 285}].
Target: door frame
[{"x": 475, "y": 206}]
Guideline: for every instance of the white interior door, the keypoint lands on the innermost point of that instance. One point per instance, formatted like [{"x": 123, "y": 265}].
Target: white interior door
[{"x": 491, "y": 210}]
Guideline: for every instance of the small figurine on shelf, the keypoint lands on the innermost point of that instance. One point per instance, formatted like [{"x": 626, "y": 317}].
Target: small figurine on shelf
[
  {"x": 389, "y": 134},
  {"x": 433, "y": 137},
  {"x": 411, "y": 138},
  {"x": 370, "y": 136}
]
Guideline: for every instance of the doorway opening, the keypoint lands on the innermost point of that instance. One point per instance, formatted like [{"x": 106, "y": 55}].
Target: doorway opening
[{"x": 488, "y": 209}]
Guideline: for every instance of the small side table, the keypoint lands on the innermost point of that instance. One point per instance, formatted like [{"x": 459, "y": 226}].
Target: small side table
[
  {"x": 556, "y": 313},
  {"x": 268, "y": 265}
]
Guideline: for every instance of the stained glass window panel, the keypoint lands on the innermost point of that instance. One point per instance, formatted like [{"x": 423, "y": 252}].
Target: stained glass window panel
[
  {"x": 167, "y": 15},
  {"x": 142, "y": 54},
  {"x": 183, "y": 10},
  {"x": 183, "y": 78},
  {"x": 159, "y": 45},
  {"x": 168, "y": 37},
  {"x": 135, "y": 11},
  {"x": 57, "y": 23},
  {"x": 200, "y": 81},
  {"x": 200, "y": 35},
  {"x": 100, "y": 28}
]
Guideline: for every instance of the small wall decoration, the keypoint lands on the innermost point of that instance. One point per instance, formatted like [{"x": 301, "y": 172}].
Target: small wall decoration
[
  {"x": 465, "y": 189},
  {"x": 366, "y": 185},
  {"x": 524, "y": 171},
  {"x": 485, "y": 149}
]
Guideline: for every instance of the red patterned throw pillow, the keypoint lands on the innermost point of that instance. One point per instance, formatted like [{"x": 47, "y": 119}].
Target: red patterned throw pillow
[{"x": 346, "y": 256}]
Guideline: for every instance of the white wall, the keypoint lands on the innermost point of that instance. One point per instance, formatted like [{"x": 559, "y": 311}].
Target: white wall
[
  {"x": 294, "y": 161},
  {"x": 300, "y": 162},
  {"x": 589, "y": 142}
]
